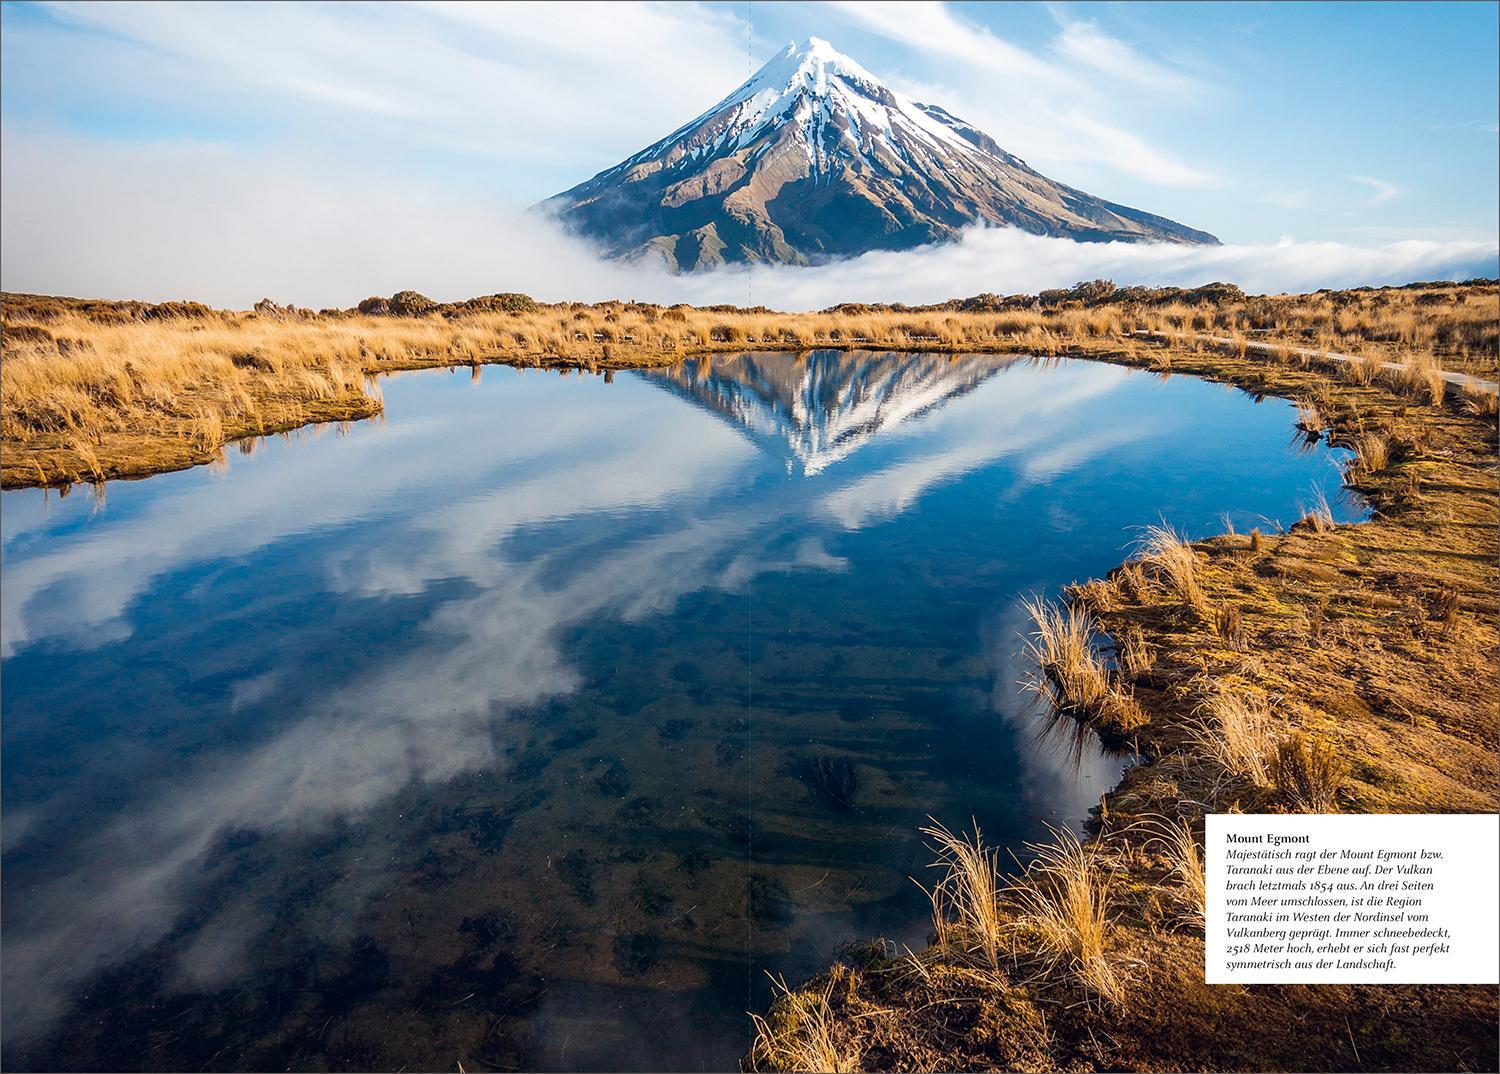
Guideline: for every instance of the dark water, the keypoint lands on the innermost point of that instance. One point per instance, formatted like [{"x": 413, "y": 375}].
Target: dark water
[{"x": 532, "y": 726}]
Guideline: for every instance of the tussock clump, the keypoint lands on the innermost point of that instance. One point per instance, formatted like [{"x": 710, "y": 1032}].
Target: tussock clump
[
  {"x": 1309, "y": 420},
  {"x": 801, "y": 1033},
  {"x": 1175, "y": 842},
  {"x": 1069, "y": 671},
  {"x": 966, "y": 915},
  {"x": 1175, "y": 562},
  {"x": 1361, "y": 369},
  {"x": 1239, "y": 733},
  {"x": 1135, "y": 654},
  {"x": 1229, "y": 624},
  {"x": 1062, "y": 905},
  {"x": 1057, "y": 911},
  {"x": 1446, "y": 606},
  {"x": 1372, "y": 453},
  {"x": 1481, "y": 402},
  {"x": 1308, "y": 772},
  {"x": 1318, "y": 515}
]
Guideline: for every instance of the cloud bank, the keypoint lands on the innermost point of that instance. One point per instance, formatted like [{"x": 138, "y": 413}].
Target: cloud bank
[{"x": 188, "y": 220}]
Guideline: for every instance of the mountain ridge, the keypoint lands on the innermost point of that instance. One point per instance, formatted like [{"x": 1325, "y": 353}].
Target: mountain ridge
[{"x": 812, "y": 159}]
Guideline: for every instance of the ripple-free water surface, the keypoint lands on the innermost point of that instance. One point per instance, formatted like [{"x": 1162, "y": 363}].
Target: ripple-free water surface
[{"x": 531, "y": 726}]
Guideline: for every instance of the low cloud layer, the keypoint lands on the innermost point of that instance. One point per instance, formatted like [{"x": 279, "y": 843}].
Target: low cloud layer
[{"x": 205, "y": 222}]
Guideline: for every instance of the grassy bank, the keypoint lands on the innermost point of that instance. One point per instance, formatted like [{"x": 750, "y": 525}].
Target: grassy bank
[
  {"x": 94, "y": 390},
  {"x": 1318, "y": 668}
]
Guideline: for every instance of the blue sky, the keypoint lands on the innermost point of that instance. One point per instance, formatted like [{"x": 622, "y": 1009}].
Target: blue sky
[{"x": 1350, "y": 124}]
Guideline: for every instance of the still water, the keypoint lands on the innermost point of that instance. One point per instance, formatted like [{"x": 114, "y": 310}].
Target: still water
[{"x": 535, "y": 724}]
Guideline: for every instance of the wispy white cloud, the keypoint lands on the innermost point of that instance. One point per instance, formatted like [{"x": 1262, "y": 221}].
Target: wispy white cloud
[
  {"x": 1083, "y": 43},
  {"x": 1055, "y": 108},
  {"x": 493, "y": 80},
  {"x": 1381, "y": 191},
  {"x": 1487, "y": 126}
]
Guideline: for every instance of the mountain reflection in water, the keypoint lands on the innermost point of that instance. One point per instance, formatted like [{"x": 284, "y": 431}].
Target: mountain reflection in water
[
  {"x": 533, "y": 726},
  {"x": 827, "y": 405}
]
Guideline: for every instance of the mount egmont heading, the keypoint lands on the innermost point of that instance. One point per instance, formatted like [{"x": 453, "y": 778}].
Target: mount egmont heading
[{"x": 814, "y": 159}]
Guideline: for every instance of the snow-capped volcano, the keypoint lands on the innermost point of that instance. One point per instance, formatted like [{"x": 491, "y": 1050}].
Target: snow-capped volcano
[{"x": 814, "y": 158}]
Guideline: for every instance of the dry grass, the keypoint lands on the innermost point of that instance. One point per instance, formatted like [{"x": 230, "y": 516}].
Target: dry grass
[
  {"x": 1308, "y": 772},
  {"x": 799, "y": 1034},
  {"x": 1175, "y": 564},
  {"x": 1229, "y": 624},
  {"x": 1318, "y": 515},
  {"x": 1058, "y": 921},
  {"x": 1481, "y": 402},
  {"x": 1135, "y": 653},
  {"x": 1361, "y": 369},
  {"x": 1062, "y": 907},
  {"x": 185, "y": 378},
  {"x": 1237, "y": 732},
  {"x": 1456, "y": 325},
  {"x": 1175, "y": 841},
  {"x": 1372, "y": 452},
  {"x": 966, "y": 912},
  {"x": 215, "y": 375},
  {"x": 1309, "y": 419},
  {"x": 1070, "y": 673},
  {"x": 1447, "y": 609}
]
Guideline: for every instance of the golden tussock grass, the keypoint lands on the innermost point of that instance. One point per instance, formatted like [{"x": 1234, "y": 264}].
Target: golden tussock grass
[
  {"x": 204, "y": 378},
  {"x": 1052, "y": 920},
  {"x": 1069, "y": 672},
  {"x": 1372, "y": 452},
  {"x": 1309, "y": 420},
  {"x": 1308, "y": 772},
  {"x": 1175, "y": 563},
  {"x": 1229, "y": 624},
  {"x": 800, "y": 1033},
  {"x": 1135, "y": 652},
  {"x": 132, "y": 379},
  {"x": 1318, "y": 514},
  {"x": 1481, "y": 402},
  {"x": 1174, "y": 841},
  {"x": 1062, "y": 910},
  {"x": 1238, "y": 732},
  {"x": 966, "y": 914}
]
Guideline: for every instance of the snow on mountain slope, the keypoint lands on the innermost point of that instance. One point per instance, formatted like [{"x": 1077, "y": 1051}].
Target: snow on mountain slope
[
  {"x": 826, "y": 405},
  {"x": 814, "y": 158}
]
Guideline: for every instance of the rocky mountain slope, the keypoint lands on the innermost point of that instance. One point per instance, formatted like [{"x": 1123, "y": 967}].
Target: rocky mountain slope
[{"x": 812, "y": 159}]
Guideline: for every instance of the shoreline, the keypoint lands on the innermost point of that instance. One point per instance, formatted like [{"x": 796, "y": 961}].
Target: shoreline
[
  {"x": 143, "y": 457},
  {"x": 94, "y": 391},
  {"x": 1398, "y": 609}
]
